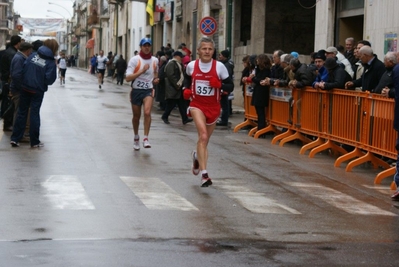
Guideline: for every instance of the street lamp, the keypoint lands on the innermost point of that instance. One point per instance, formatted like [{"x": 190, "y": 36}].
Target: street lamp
[
  {"x": 50, "y": 3},
  {"x": 60, "y": 36},
  {"x": 56, "y": 13}
]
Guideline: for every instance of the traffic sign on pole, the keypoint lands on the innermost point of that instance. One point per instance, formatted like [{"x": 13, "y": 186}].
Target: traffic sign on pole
[{"x": 208, "y": 26}]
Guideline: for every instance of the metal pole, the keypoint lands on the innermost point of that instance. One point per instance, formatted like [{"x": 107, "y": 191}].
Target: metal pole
[
  {"x": 50, "y": 3},
  {"x": 229, "y": 23}
]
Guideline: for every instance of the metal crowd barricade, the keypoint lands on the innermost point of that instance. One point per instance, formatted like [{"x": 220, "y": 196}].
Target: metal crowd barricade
[
  {"x": 360, "y": 120},
  {"x": 381, "y": 138},
  {"x": 277, "y": 112},
  {"x": 287, "y": 118}
]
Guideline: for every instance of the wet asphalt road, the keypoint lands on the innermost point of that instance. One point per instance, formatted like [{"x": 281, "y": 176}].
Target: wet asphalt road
[{"x": 87, "y": 199}]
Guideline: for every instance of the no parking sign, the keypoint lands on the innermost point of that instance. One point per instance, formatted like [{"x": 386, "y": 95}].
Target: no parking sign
[{"x": 208, "y": 26}]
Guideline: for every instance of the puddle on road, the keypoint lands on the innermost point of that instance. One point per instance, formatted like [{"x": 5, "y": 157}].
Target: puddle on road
[{"x": 113, "y": 106}]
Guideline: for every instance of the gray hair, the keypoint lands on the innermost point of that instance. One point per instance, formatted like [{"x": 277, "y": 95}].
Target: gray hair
[
  {"x": 287, "y": 58},
  {"x": 163, "y": 59},
  {"x": 206, "y": 40},
  {"x": 391, "y": 56},
  {"x": 350, "y": 39},
  {"x": 279, "y": 52},
  {"x": 366, "y": 50}
]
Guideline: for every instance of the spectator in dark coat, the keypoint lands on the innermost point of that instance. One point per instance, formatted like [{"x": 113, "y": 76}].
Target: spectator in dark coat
[
  {"x": 288, "y": 75},
  {"x": 93, "y": 64},
  {"x": 349, "y": 50},
  {"x": 120, "y": 66},
  {"x": 303, "y": 76},
  {"x": 224, "y": 57},
  {"x": 245, "y": 72},
  {"x": 386, "y": 82},
  {"x": 260, "y": 95},
  {"x": 5, "y": 66},
  {"x": 160, "y": 87},
  {"x": 373, "y": 70},
  {"x": 249, "y": 68},
  {"x": 321, "y": 72},
  {"x": 395, "y": 78},
  {"x": 337, "y": 76},
  {"x": 40, "y": 71},
  {"x": 174, "y": 77},
  {"x": 277, "y": 71},
  {"x": 17, "y": 65},
  {"x": 36, "y": 45}
]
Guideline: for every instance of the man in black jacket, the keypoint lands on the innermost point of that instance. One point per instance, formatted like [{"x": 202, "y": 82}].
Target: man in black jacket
[
  {"x": 349, "y": 50},
  {"x": 303, "y": 76},
  {"x": 373, "y": 70},
  {"x": 120, "y": 66},
  {"x": 224, "y": 101},
  {"x": 5, "y": 66},
  {"x": 337, "y": 76},
  {"x": 174, "y": 77},
  {"x": 385, "y": 86}
]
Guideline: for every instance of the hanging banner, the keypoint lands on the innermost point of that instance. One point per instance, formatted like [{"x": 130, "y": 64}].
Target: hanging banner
[
  {"x": 280, "y": 94},
  {"x": 160, "y": 5},
  {"x": 390, "y": 42},
  {"x": 168, "y": 15},
  {"x": 43, "y": 26}
]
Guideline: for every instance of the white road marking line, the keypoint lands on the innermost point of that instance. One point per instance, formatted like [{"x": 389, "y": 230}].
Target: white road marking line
[
  {"x": 67, "y": 193},
  {"x": 385, "y": 189},
  {"x": 378, "y": 187},
  {"x": 340, "y": 200},
  {"x": 157, "y": 195},
  {"x": 253, "y": 201}
]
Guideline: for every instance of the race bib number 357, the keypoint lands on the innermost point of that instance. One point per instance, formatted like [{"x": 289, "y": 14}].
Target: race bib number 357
[{"x": 202, "y": 88}]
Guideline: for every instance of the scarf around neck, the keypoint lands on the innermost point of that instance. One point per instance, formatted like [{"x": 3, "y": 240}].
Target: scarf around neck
[{"x": 145, "y": 56}]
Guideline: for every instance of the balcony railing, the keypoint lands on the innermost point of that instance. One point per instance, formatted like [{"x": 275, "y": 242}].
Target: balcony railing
[
  {"x": 4, "y": 2},
  {"x": 5, "y": 24}
]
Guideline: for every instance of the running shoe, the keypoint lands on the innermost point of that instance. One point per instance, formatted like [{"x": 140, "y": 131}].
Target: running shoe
[
  {"x": 14, "y": 144},
  {"x": 99, "y": 86},
  {"x": 195, "y": 167},
  {"x": 146, "y": 143},
  {"x": 205, "y": 180},
  {"x": 395, "y": 196},
  {"x": 136, "y": 144},
  {"x": 38, "y": 145}
]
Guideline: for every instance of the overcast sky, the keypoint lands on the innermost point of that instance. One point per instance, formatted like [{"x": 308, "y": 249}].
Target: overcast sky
[{"x": 38, "y": 8}]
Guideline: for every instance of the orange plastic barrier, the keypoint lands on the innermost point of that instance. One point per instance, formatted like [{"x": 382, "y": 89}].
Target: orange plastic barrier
[
  {"x": 360, "y": 120},
  {"x": 250, "y": 113}
]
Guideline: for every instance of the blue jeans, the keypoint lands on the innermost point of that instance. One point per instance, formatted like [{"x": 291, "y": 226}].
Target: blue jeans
[{"x": 34, "y": 102}]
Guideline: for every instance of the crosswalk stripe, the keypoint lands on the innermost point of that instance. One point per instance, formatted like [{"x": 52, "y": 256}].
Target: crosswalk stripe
[
  {"x": 157, "y": 195},
  {"x": 381, "y": 188},
  {"x": 340, "y": 200},
  {"x": 67, "y": 193},
  {"x": 253, "y": 201}
]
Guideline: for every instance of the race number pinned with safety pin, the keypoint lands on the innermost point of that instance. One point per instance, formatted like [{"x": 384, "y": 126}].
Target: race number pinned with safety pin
[{"x": 203, "y": 88}]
